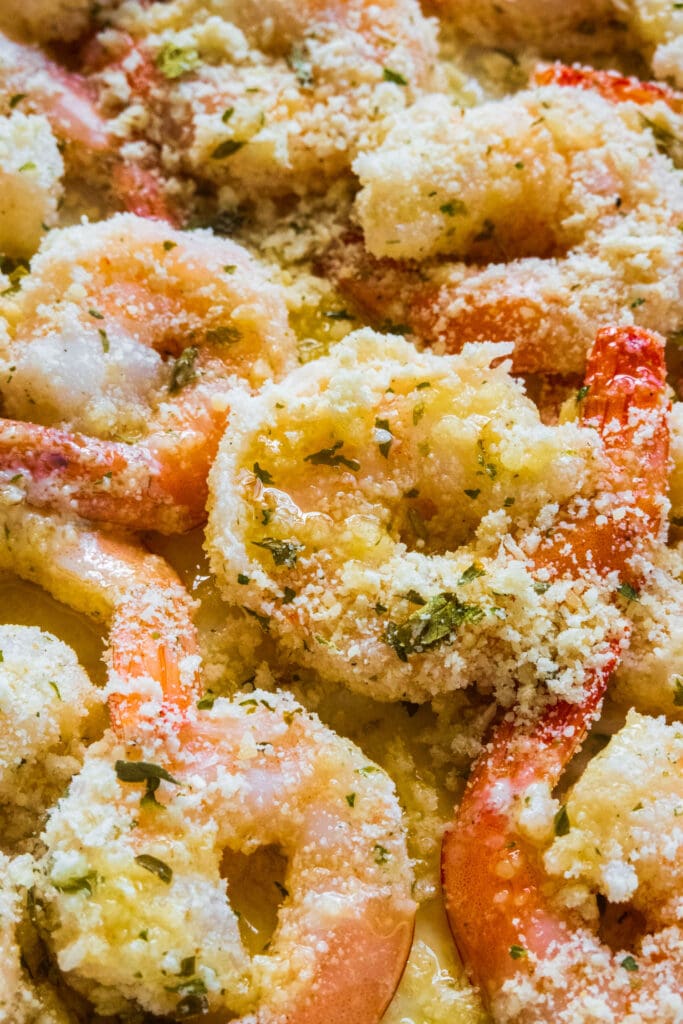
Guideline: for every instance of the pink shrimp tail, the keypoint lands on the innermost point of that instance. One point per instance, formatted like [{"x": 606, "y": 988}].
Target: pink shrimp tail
[{"x": 492, "y": 878}]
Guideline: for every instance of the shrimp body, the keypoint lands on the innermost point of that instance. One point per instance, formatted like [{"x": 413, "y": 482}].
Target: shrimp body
[
  {"x": 126, "y": 335},
  {"x": 515, "y": 938},
  {"x": 377, "y": 512},
  {"x": 573, "y": 223},
  {"x": 268, "y": 98},
  {"x": 345, "y": 928}
]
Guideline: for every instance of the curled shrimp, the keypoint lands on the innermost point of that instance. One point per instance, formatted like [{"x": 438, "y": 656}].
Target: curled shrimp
[
  {"x": 34, "y": 84},
  {"x": 574, "y": 222},
  {"x": 345, "y": 930},
  {"x": 268, "y": 98},
  {"x": 125, "y": 335},
  {"x": 374, "y": 511},
  {"x": 512, "y": 935}
]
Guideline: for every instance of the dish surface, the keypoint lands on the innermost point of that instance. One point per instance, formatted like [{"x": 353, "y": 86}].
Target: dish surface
[{"x": 341, "y": 488}]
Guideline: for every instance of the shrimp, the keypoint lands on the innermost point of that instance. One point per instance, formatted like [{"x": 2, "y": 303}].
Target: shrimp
[
  {"x": 265, "y": 99},
  {"x": 154, "y": 926},
  {"x": 31, "y": 169},
  {"x": 125, "y": 335},
  {"x": 48, "y": 710},
  {"x": 515, "y": 940},
  {"x": 345, "y": 930},
  {"x": 372, "y": 512},
  {"x": 567, "y": 219}
]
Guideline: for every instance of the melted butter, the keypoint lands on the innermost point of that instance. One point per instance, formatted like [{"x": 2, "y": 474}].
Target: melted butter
[
  {"x": 434, "y": 988},
  {"x": 24, "y": 604}
]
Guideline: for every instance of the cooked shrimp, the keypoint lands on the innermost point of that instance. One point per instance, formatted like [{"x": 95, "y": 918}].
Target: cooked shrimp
[
  {"x": 345, "y": 931},
  {"x": 48, "y": 708},
  {"x": 558, "y": 211},
  {"x": 22, "y": 1001},
  {"x": 373, "y": 511},
  {"x": 31, "y": 170},
  {"x": 267, "y": 98},
  {"x": 125, "y": 337},
  {"x": 534, "y": 959},
  {"x": 153, "y": 924}
]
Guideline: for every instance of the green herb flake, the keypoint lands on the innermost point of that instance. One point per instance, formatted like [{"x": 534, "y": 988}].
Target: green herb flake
[
  {"x": 508, "y": 503},
  {"x": 288, "y": 595},
  {"x": 339, "y": 314},
  {"x": 188, "y": 966},
  {"x": 472, "y": 573},
  {"x": 330, "y": 457},
  {"x": 142, "y": 771},
  {"x": 192, "y": 1005},
  {"x": 95, "y": 313},
  {"x": 207, "y": 701},
  {"x": 384, "y": 437},
  {"x": 82, "y": 884},
  {"x": 229, "y": 268},
  {"x": 54, "y": 686},
  {"x": 431, "y": 625},
  {"x": 227, "y": 114},
  {"x": 155, "y": 866},
  {"x": 183, "y": 372},
  {"x": 582, "y": 392},
  {"x": 104, "y": 339},
  {"x": 629, "y": 963},
  {"x": 541, "y": 588},
  {"x": 628, "y": 592},
  {"x": 242, "y": 579},
  {"x": 226, "y": 148},
  {"x": 263, "y": 475},
  {"x": 368, "y": 769},
  {"x": 16, "y": 99},
  {"x": 175, "y": 61},
  {"x": 473, "y": 493},
  {"x": 422, "y": 385},
  {"x": 678, "y": 691},
  {"x": 284, "y": 552},
  {"x": 454, "y": 208},
  {"x": 284, "y": 892},
  {"x": 518, "y": 952},
  {"x": 393, "y": 76},
  {"x": 637, "y": 302},
  {"x": 351, "y": 799},
  {"x": 224, "y": 335},
  {"x": 28, "y": 166},
  {"x": 382, "y": 855},
  {"x": 561, "y": 822}
]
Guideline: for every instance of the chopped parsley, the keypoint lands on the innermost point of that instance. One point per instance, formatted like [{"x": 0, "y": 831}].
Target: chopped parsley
[
  {"x": 242, "y": 579},
  {"x": 284, "y": 552},
  {"x": 472, "y": 573},
  {"x": 382, "y": 855},
  {"x": 143, "y": 771},
  {"x": 226, "y": 148},
  {"x": 473, "y": 493},
  {"x": 629, "y": 963},
  {"x": 518, "y": 952},
  {"x": 157, "y": 867},
  {"x": 330, "y": 457},
  {"x": 582, "y": 392},
  {"x": 16, "y": 99},
  {"x": 104, "y": 339},
  {"x": 207, "y": 701},
  {"x": 454, "y": 208},
  {"x": 183, "y": 372},
  {"x": 174, "y": 61},
  {"x": 385, "y": 437},
  {"x": 431, "y": 625},
  {"x": 561, "y": 822},
  {"x": 628, "y": 592},
  {"x": 288, "y": 595},
  {"x": 82, "y": 884},
  {"x": 678, "y": 691},
  {"x": 263, "y": 475},
  {"x": 227, "y": 114},
  {"x": 541, "y": 588},
  {"x": 351, "y": 799},
  {"x": 168, "y": 245},
  {"x": 95, "y": 313},
  {"x": 394, "y": 76}
]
